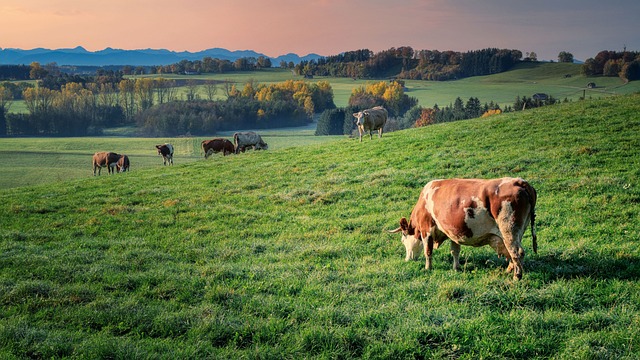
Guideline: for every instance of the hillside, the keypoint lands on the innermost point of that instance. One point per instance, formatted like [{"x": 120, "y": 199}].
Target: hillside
[{"x": 282, "y": 254}]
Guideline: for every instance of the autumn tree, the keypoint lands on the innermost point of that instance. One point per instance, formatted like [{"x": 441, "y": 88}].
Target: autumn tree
[
  {"x": 37, "y": 72},
  {"x": 427, "y": 117}
]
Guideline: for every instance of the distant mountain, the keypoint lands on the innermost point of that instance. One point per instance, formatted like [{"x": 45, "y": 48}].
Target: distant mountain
[{"x": 79, "y": 56}]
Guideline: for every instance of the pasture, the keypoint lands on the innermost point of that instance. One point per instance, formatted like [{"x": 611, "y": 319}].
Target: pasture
[
  {"x": 283, "y": 254},
  {"x": 525, "y": 79},
  {"x": 33, "y": 161}
]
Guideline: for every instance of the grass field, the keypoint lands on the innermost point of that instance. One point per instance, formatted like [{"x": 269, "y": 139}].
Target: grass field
[
  {"x": 282, "y": 253},
  {"x": 35, "y": 161}
]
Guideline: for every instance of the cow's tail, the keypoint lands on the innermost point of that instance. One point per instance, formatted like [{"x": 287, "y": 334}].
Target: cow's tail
[
  {"x": 235, "y": 143},
  {"x": 533, "y": 197}
]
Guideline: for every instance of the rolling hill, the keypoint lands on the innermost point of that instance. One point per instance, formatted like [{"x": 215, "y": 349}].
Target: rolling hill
[{"x": 283, "y": 254}]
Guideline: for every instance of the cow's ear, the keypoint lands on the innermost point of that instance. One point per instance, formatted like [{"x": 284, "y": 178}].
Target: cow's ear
[
  {"x": 355, "y": 115},
  {"x": 404, "y": 224}
]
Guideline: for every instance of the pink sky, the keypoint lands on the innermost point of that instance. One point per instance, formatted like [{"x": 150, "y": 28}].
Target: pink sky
[{"x": 325, "y": 27}]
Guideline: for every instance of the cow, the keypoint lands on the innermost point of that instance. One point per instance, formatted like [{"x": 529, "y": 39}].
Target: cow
[
  {"x": 371, "y": 119},
  {"x": 472, "y": 212},
  {"x": 166, "y": 151},
  {"x": 243, "y": 140},
  {"x": 123, "y": 163},
  {"x": 217, "y": 145},
  {"x": 104, "y": 159}
]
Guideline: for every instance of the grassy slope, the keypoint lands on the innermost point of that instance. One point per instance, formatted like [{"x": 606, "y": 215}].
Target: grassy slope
[{"x": 281, "y": 254}]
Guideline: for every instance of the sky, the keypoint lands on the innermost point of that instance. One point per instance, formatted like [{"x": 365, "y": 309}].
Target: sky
[{"x": 324, "y": 27}]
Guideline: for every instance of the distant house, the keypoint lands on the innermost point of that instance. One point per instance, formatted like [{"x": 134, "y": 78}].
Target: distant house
[
  {"x": 540, "y": 97},
  {"x": 191, "y": 72},
  {"x": 591, "y": 85}
]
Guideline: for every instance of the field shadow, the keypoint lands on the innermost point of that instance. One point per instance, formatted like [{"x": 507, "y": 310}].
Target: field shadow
[{"x": 552, "y": 267}]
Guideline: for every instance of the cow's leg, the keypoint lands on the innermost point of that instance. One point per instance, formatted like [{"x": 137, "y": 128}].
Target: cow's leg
[
  {"x": 455, "y": 252},
  {"x": 380, "y": 133},
  {"x": 428, "y": 250},
  {"x": 370, "y": 134},
  {"x": 511, "y": 235}
]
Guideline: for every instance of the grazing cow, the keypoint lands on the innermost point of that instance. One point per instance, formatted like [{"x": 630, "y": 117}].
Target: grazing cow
[
  {"x": 371, "y": 119},
  {"x": 123, "y": 163},
  {"x": 104, "y": 159},
  {"x": 217, "y": 145},
  {"x": 166, "y": 151},
  {"x": 472, "y": 212},
  {"x": 243, "y": 140}
]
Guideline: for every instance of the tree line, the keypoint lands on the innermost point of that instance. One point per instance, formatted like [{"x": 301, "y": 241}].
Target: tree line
[
  {"x": 256, "y": 106},
  {"x": 85, "y": 108},
  {"x": 625, "y": 64},
  {"x": 406, "y": 63}
]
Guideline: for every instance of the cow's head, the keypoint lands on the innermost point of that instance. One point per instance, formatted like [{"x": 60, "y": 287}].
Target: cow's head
[
  {"x": 262, "y": 146},
  {"x": 360, "y": 117},
  {"x": 159, "y": 147},
  {"x": 411, "y": 242}
]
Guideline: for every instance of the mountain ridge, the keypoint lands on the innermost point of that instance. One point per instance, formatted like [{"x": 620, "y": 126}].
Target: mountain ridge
[{"x": 79, "y": 56}]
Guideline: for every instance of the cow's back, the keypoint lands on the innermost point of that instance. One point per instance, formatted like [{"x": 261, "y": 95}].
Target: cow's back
[
  {"x": 377, "y": 117},
  {"x": 463, "y": 208}
]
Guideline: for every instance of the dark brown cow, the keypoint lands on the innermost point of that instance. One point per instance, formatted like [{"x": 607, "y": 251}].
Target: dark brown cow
[
  {"x": 123, "y": 163},
  {"x": 104, "y": 158},
  {"x": 472, "y": 212},
  {"x": 217, "y": 145},
  {"x": 166, "y": 151}
]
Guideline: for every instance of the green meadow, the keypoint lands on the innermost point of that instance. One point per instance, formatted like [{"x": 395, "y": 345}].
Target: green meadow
[
  {"x": 283, "y": 253},
  {"x": 525, "y": 79}
]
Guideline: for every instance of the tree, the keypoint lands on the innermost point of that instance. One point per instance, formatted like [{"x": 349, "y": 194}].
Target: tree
[
  {"x": 473, "y": 108},
  {"x": 565, "y": 57},
  {"x": 211, "y": 89},
  {"x": 427, "y": 117},
  {"x": 458, "y": 109},
  {"x": 631, "y": 71},
  {"x": 5, "y": 103},
  {"x": 612, "y": 67},
  {"x": 192, "y": 90},
  {"x": 331, "y": 122},
  {"x": 37, "y": 72}
]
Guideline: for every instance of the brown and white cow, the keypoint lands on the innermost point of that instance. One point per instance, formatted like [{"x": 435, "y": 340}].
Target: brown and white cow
[
  {"x": 217, "y": 145},
  {"x": 472, "y": 212},
  {"x": 166, "y": 151},
  {"x": 371, "y": 119},
  {"x": 105, "y": 159},
  {"x": 123, "y": 163},
  {"x": 244, "y": 140}
]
